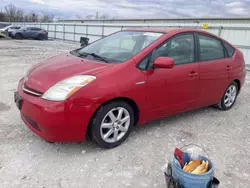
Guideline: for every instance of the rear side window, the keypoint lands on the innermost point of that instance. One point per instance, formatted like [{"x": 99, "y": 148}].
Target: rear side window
[
  {"x": 230, "y": 50},
  {"x": 210, "y": 48},
  {"x": 35, "y": 29}
]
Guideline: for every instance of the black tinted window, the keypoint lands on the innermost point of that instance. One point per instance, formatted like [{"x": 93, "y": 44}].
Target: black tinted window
[
  {"x": 144, "y": 63},
  {"x": 180, "y": 48},
  {"x": 230, "y": 49},
  {"x": 210, "y": 48},
  {"x": 35, "y": 29}
]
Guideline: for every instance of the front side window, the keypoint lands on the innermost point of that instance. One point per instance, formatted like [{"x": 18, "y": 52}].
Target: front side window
[
  {"x": 121, "y": 46},
  {"x": 180, "y": 48},
  {"x": 210, "y": 48}
]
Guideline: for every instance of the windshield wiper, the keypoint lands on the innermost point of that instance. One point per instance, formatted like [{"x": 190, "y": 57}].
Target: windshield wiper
[
  {"x": 97, "y": 56},
  {"x": 75, "y": 52}
]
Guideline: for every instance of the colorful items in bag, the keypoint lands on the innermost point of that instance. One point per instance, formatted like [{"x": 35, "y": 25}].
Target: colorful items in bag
[
  {"x": 196, "y": 167},
  {"x": 178, "y": 154},
  {"x": 193, "y": 166}
]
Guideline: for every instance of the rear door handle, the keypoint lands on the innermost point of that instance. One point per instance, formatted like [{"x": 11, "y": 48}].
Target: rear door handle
[{"x": 192, "y": 74}]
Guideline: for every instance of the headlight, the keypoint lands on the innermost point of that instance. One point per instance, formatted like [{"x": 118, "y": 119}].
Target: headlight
[{"x": 66, "y": 88}]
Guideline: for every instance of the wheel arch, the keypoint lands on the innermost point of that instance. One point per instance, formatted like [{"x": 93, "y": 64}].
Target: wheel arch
[
  {"x": 238, "y": 84},
  {"x": 18, "y": 34},
  {"x": 131, "y": 102}
]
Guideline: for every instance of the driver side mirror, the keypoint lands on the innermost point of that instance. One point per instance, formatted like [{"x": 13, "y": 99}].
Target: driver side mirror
[
  {"x": 84, "y": 41},
  {"x": 164, "y": 62}
]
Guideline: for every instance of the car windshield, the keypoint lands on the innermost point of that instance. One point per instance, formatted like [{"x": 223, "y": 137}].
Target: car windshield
[
  {"x": 120, "y": 46},
  {"x": 6, "y": 27}
]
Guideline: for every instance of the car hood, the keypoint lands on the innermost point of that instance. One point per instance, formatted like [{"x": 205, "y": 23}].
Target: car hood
[{"x": 46, "y": 74}]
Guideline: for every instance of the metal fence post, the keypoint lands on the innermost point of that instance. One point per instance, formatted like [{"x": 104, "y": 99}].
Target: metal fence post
[
  {"x": 74, "y": 32},
  {"x": 63, "y": 31},
  {"x": 102, "y": 30},
  {"x": 87, "y": 30},
  {"x": 220, "y": 31},
  {"x": 48, "y": 29},
  {"x": 55, "y": 32}
]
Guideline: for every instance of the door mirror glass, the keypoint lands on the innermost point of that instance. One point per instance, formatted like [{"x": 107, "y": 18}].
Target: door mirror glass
[{"x": 164, "y": 62}]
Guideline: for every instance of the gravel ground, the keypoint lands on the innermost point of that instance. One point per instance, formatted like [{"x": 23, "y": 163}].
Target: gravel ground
[{"x": 28, "y": 161}]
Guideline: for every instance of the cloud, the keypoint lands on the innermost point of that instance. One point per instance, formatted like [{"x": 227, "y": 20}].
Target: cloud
[{"x": 138, "y": 8}]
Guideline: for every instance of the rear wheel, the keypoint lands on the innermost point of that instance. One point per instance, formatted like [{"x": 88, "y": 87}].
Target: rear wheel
[
  {"x": 18, "y": 36},
  {"x": 40, "y": 37},
  {"x": 229, "y": 97},
  {"x": 112, "y": 124}
]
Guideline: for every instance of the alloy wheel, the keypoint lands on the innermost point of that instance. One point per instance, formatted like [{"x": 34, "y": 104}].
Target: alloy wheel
[
  {"x": 230, "y": 96},
  {"x": 115, "y": 125}
]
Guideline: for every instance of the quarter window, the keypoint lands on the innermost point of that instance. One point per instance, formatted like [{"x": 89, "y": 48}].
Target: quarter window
[
  {"x": 180, "y": 48},
  {"x": 210, "y": 48},
  {"x": 229, "y": 48}
]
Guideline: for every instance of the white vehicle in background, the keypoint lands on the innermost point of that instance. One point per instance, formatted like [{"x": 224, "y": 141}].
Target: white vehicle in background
[
  {"x": 13, "y": 29},
  {"x": 7, "y": 30}
]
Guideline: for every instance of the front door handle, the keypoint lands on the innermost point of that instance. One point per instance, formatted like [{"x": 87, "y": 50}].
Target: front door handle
[{"x": 192, "y": 74}]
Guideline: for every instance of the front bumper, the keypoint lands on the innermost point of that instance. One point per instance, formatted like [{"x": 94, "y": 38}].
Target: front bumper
[{"x": 64, "y": 121}]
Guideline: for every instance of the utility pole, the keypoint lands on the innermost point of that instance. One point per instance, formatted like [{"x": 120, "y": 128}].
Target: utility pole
[{"x": 97, "y": 15}]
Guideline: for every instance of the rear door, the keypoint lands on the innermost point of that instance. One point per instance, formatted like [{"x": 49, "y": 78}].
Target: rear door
[
  {"x": 214, "y": 69},
  {"x": 27, "y": 33}
]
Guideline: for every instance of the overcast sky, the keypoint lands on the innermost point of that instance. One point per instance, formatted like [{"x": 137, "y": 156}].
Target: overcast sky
[{"x": 137, "y": 8}]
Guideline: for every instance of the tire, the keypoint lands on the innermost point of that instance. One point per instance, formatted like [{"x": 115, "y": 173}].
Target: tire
[
  {"x": 120, "y": 127},
  {"x": 40, "y": 37},
  {"x": 226, "y": 102},
  {"x": 18, "y": 36}
]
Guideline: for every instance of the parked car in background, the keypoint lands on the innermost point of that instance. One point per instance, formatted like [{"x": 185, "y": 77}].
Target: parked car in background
[
  {"x": 12, "y": 29},
  {"x": 128, "y": 78},
  {"x": 30, "y": 33},
  {"x": 4, "y": 31},
  {"x": 2, "y": 25}
]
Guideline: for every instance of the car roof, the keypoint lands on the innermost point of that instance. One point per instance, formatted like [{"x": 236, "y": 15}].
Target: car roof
[{"x": 165, "y": 29}]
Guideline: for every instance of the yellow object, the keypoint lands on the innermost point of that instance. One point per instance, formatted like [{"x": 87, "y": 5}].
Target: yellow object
[
  {"x": 205, "y": 25},
  {"x": 192, "y": 165},
  {"x": 201, "y": 169}
]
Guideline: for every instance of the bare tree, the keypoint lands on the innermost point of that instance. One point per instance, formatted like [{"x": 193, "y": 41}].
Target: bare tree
[
  {"x": 33, "y": 17},
  {"x": 10, "y": 11},
  {"x": 78, "y": 16},
  {"x": 105, "y": 17},
  {"x": 47, "y": 17},
  {"x": 19, "y": 17},
  {"x": 26, "y": 18},
  {"x": 89, "y": 17},
  {"x": 2, "y": 17},
  {"x": 13, "y": 14}
]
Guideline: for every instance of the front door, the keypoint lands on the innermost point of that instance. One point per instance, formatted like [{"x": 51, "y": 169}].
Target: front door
[{"x": 173, "y": 90}]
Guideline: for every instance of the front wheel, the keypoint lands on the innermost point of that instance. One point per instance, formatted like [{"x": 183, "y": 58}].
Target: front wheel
[
  {"x": 229, "y": 97},
  {"x": 18, "y": 36},
  {"x": 112, "y": 124}
]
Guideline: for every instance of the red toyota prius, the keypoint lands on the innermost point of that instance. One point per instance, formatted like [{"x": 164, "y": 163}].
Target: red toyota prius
[{"x": 128, "y": 78}]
